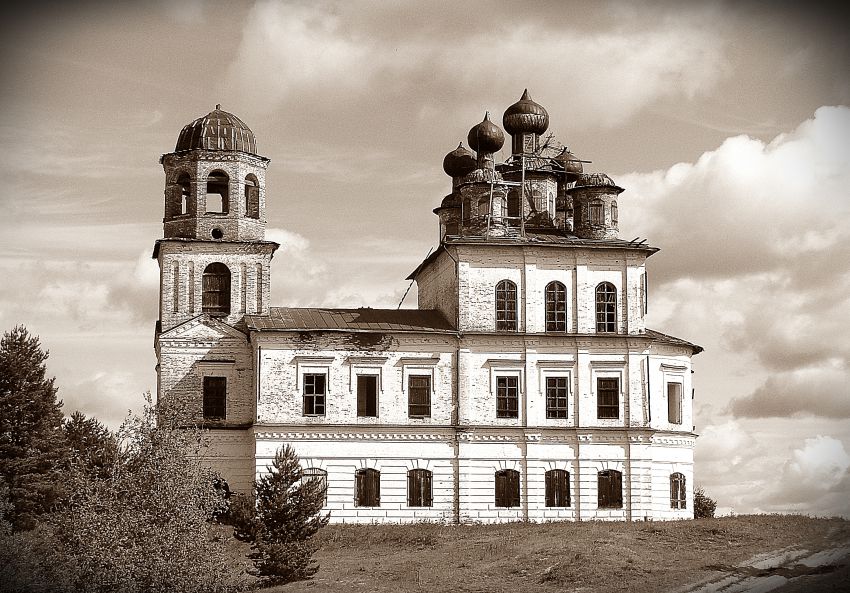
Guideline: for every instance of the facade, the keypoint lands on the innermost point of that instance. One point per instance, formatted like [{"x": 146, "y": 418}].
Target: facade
[{"x": 525, "y": 386}]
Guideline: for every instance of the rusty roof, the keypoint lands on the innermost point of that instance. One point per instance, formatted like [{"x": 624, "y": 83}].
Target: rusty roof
[{"x": 364, "y": 319}]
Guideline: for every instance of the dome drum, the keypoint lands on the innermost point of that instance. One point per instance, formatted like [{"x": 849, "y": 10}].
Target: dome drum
[{"x": 595, "y": 212}]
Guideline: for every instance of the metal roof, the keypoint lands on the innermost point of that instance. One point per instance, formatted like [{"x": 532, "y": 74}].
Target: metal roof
[
  {"x": 667, "y": 339},
  {"x": 364, "y": 319}
]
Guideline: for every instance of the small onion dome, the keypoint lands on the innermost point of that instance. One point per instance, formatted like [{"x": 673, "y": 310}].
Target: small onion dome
[
  {"x": 486, "y": 137},
  {"x": 596, "y": 180},
  {"x": 459, "y": 162},
  {"x": 571, "y": 163},
  {"x": 525, "y": 117},
  {"x": 217, "y": 130}
]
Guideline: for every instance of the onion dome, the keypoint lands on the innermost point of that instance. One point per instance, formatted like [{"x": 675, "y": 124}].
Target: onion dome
[
  {"x": 525, "y": 117},
  {"x": 486, "y": 137},
  {"x": 217, "y": 130},
  {"x": 571, "y": 163},
  {"x": 596, "y": 180},
  {"x": 459, "y": 162}
]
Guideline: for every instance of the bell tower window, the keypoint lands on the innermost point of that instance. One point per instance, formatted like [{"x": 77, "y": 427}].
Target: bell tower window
[
  {"x": 218, "y": 185},
  {"x": 216, "y": 284},
  {"x": 252, "y": 196}
]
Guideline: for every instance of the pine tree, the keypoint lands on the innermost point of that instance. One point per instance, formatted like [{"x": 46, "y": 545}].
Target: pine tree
[
  {"x": 32, "y": 446},
  {"x": 93, "y": 448}
]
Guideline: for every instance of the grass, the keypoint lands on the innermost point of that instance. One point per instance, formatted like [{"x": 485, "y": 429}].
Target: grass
[{"x": 587, "y": 556}]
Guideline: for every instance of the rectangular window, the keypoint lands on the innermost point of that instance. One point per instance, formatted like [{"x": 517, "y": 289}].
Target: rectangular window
[
  {"x": 367, "y": 488},
  {"x": 419, "y": 396},
  {"x": 367, "y": 396},
  {"x": 609, "y": 485},
  {"x": 507, "y": 488},
  {"x": 215, "y": 398},
  {"x": 557, "y": 488},
  {"x": 507, "y": 397},
  {"x": 607, "y": 397},
  {"x": 674, "y": 403},
  {"x": 557, "y": 391},
  {"x": 419, "y": 488},
  {"x": 314, "y": 394}
]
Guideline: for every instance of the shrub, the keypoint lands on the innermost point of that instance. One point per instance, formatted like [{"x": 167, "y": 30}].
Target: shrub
[{"x": 704, "y": 506}]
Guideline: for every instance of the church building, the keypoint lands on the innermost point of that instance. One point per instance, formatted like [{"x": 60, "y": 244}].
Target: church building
[{"x": 524, "y": 386}]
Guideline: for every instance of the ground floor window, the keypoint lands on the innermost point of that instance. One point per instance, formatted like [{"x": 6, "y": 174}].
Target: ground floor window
[
  {"x": 507, "y": 488},
  {"x": 610, "y": 489},
  {"x": 367, "y": 488},
  {"x": 419, "y": 488},
  {"x": 557, "y": 488},
  {"x": 320, "y": 475},
  {"x": 678, "y": 498}
]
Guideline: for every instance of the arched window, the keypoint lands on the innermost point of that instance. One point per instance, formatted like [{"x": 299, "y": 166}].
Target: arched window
[
  {"x": 609, "y": 485},
  {"x": 506, "y": 306},
  {"x": 218, "y": 189},
  {"x": 507, "y": 488},
  {"x": 557, "y": 488},
  {"x": 318, "y": 474},
  {"x": 252, "y": 196},
  {"x": 606, "y": 308},
  {"x": 216, "y": 285},
  {"x": 678, "y": 498},
  {"x": 178, "y": 196},
  {"x": 614, "y": 214},
  {"x": 367, "y": 488},
  {"x": 419, "y": 488},
  {"x": 556, "y": 307}
]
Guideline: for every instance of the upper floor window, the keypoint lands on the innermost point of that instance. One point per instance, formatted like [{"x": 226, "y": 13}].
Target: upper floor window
[
  {"x": 674, "y": 403},
  {"x": 596, "y": 214},
  {"x": 557, "y": 488},
  {"x": 506, "y": 306},
  {"x": 215, "y": 398},
  {"x": 678, "y": 498},
  {"x": 507, "y": 488},
  {"x": 607, "y": 397},
  {"x": 419, "y": 488},
  {"x": 507, "y": 397},
  {"x": 320, "y": 475},
  {"x": 252, "y": 196},
  {"x": 367, "y": 395},
  {"x": 513, "y": 208},
  {"x": 606, "y": 308},
  {"x": 557, "y": 397},
  {"x": 367, "y": 488},
  {"x": 218, "y": 189},
  {"x": 609, "y": 485},
  {"x": 216, "y": 289},
  {"x": 314, "y": 394},
  {"x": 419, "y": 396},
  {"x": 556, "y": 307},
  {"x": 614, "y": 214}
]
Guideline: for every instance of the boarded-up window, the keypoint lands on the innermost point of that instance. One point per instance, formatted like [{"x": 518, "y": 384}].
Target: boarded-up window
[
  {"x": 609, "y": 485},
  {"x": 367, "y": 395},
  {"x": 314, "y": 394},
  {"x": 607, "y": 397},
  {"x": 558, "y": 488},
  {"x": 678, "y": 498},
  {"x": 556, "y": 307},
  {"x": 419, "y": 488},
  {"x": 419, "y": 396},
  {"x": 606, "y": 308},
  {"x": 674, "y": 403},
  {"x": 215, "y": 398},
  {"x": 614, "y": 214},
  {"x": 507, "y": 488},
  {"x": 557, "y": 397},
  {"x": 507, "y": 397},
  {"x": 506, "y": 306},
  {"x": 216, "y": 289},
  {"x": 367, "y": 488},
  {"x": 321, "y": 478},
  {"x": 252, "y": 196}
]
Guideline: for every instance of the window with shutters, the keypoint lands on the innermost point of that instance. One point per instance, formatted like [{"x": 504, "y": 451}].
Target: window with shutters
[
  {"x": 557, "y": 397},
  {"x": 609, "y": 485},
  {"x": 419, "y": 488},
  {"x": 507, "y": 488},
  {"x": 678, "y": 498},
  {"x": 507, "y": 397},
  {"x": 556, "y": 307},
  {"x": 314, "y": 394},
  {"x": 557, "y": 488},
  {"x": 321, "y": 476},
  {"x": 606, "y": 308},
  {"x": 419, "y": 396},
  {"x": 607, "y": 397},
  {"x": 674, "y": 403},
  {"x": 215, "y": 398},
  {"x": 367, "y": 488},
  {"x": 506, "y": 306},
  {"x": 216, "y": 289},
  {"x": 367, "y": 396}
]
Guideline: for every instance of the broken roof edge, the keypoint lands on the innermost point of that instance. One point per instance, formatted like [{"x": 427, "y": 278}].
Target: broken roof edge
[
  {"x": 668, "y": 339},
  {"x": 275, "y": 246}
]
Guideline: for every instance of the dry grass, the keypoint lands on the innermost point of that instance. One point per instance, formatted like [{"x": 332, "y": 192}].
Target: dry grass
[{"x": 589, "y": 556}]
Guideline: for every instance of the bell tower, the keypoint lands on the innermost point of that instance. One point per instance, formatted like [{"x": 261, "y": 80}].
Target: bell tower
[{"x": 213, "y": 256}]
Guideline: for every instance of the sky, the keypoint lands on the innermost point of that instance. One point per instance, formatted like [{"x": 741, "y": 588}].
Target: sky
[{"x": 728, "y": 123}]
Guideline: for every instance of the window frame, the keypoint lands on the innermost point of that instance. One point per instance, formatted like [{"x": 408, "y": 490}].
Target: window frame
[
  {"x": 367, "y": 487},
  {"x": 600, "y": 405},
  {"x": 216, "y": 286},
  {"x": 611, "y": 495},
  {"x": 420, "y": 488},
  {"x": 419, "y": 391},
  {"x": 678, "y": 491},
  {"x": 207, "y": 393},
  {"x": 314, "y": 396},
  {"x": 507, "y": 478},
  {"x": 675, "y": 402},
  {"x": 556, "y": 310},
  {"x": 606, "y": 308},
  {"x": 375, "y": 378},
  {"x": 316, "y": 473},
  {"x": 557, "y": 482},
  {"x": 557, "y": 411},
  {"x": 504, "y": 397},
  {"x": 506, "y": 306}
]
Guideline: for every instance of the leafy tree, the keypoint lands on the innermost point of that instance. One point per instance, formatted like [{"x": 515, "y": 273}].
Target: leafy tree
[
  {"x": 704, "y": 506},
  {"x": 283, "y": 522},
  {"x": 93, "y": 448},
  {"x": 32, "y": 447}
]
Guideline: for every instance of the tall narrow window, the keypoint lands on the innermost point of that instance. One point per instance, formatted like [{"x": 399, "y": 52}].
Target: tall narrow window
[
  {"x": 557, "y": 488},
  {"x": 595, "y": 213},
  {"x": 252, "y": 196},
  {"x": 607, "y": 397},
  {"x": 216, "y": 285},
  {"x": 367, "y": 488},
  {"x": 314, "y": 394},
  {"x": 218, "y": 186},
  {"x": 320, "y": 475},
  {"x": 419, "y": 488},
  {"x": 215, "y": 398},
  {"x": 506, "y": 306},
  {"x": 513, "y": 208},
  {"x": 606, "y": 308},
  {"x": 184, "y": 191},
  {"x": 419, "y": 396},
  {"x": 556, "y": 307},
  {"x": 367, "y": 395},
  {"x": 507, "y": 488},
  {"x": 507, "y": 397},
  {"x": 557, "y": 397},
  {"x": 678, "y": 497},
  {"x": 614, "y": 214},
  {"x": 674, "y": 403},
  {"x": 609, "y": 485}
]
